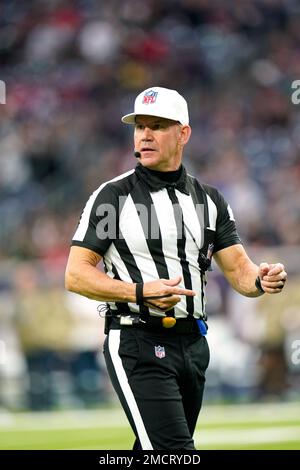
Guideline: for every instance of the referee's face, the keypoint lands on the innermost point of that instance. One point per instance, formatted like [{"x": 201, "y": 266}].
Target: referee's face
[{"x": 160, "y": 142}]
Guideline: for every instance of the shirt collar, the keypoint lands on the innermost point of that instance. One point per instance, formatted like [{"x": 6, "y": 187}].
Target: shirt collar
[{"x": 155, "y": 183}]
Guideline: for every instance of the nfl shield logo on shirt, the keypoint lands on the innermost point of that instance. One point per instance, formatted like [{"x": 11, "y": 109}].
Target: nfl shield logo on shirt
[
  {"x": 160, "y": 352},
  {"x": 150, "y": 97}
]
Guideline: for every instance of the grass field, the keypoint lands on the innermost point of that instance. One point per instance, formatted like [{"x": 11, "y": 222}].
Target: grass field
[{"x": 263, "y": 426}]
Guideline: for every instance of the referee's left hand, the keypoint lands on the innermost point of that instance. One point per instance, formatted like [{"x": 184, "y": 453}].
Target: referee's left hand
[
  {"x": 165, "y": 293},
  {"x": 273, "y": 277}
]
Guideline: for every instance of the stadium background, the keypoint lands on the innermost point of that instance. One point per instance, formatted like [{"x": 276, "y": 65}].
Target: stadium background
[{"x": 71, "y": 69}]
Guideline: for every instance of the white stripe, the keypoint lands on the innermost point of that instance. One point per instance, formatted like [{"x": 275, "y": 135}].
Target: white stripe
[
  {"x": 231, "y": 216},
  {"x": 133, "y": 233},
  {"x": 257, "y": 414},
  {"x": 167, "y": 224},
  {"x": 212, "y": 213},
  {"x": 235, "y": 437},
  {"x": 84, "y": 221},
  {"x": 112, "y": 256},
  {"x": 113, "y": 345},
  {"x": 191, "y": 221},
  {"x": 132, "y": 230}
]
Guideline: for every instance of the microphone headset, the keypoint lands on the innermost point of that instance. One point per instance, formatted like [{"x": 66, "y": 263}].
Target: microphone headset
[{"x": 137, "y": 154}]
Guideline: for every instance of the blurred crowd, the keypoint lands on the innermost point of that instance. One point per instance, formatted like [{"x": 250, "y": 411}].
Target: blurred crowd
[{"x": 73, "y": 67}]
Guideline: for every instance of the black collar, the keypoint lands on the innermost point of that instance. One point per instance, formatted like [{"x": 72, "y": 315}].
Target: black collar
[{"x": 155, "y": 183}]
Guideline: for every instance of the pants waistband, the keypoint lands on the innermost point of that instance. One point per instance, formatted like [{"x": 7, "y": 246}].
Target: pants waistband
[{"x": 182, "y": 325}]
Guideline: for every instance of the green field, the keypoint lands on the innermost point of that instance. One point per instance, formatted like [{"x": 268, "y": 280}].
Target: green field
[{"x": 263, "y": 426}]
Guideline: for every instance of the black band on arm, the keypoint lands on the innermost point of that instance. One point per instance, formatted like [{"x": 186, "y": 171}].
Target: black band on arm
[
  {"x": 139, "y": 293},
  {"x": 258, "y": 285}
]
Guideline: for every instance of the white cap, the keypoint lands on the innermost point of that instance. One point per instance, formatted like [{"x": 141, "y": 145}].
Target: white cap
[{"x": 161, "y": 102}]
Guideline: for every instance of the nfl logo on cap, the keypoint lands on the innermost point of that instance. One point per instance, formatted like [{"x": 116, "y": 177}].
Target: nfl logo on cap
[
  {"x": 150, "y": 97},
  {"x": 168, "y": 105},
  {"x": 160, "y": 352}
]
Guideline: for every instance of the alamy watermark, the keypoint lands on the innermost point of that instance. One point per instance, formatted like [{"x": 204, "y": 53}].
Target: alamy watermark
[
  {"x": 2, "y": 92},
  {"x": 296, "y": 94},
  {"x": 295, "y": 357},
  {"x": 109, "y": 228}
]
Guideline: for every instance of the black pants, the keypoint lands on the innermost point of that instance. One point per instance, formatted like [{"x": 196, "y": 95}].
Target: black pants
[{"x": 159, "y": 378}]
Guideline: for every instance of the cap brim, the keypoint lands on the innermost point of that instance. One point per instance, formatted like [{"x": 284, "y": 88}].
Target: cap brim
[{"x": 129, "y": 118}]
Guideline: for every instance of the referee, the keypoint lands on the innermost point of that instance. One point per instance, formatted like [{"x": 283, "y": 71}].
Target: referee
[{"x": 156, "y": 229}]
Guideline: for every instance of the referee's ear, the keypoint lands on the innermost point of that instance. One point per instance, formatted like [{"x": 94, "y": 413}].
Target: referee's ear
[{"x": 185, "y": 134}]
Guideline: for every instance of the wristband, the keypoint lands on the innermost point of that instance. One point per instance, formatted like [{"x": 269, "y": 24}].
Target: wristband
[
  {"x": 139, "y": 293},
  {"x": 258, "y": 285}
]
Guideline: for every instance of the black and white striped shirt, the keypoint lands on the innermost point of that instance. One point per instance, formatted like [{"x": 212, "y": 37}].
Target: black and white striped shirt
[{"x": 146, "y": 228}]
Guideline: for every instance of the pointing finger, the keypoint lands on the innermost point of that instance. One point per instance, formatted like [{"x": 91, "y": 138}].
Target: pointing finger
[
  {"x": 180, "y": 291},
  {"x": 172, "y": 282}
]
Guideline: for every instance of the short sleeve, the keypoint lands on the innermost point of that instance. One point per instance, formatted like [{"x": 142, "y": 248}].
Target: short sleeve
[
  {"x": 226, "y": 232},
  {"x": 97, "y": 227}
]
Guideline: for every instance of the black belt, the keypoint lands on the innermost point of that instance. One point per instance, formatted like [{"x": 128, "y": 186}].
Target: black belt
[{"x": 182, "y": 325}]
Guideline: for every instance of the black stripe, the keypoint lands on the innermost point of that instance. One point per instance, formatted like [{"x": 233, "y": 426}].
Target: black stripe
[
  {"x": 199, "y": 197},
  {"x": 152, "y": 233},
  {"x": 131, "y": 266},
  {"x": 121, "y": 306},
  {"x": 181, "y": 242},
  {"x": 150, "y": 226}
]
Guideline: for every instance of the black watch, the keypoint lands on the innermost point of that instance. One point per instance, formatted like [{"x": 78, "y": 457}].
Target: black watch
[{"x": 258, "y": 285}]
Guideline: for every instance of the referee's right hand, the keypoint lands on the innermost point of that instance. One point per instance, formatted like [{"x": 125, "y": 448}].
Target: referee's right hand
[{"x": 164, "y": 293}]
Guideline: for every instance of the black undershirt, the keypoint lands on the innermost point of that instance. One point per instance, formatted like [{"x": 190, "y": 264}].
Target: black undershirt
[{"x": 169, "y": 176}]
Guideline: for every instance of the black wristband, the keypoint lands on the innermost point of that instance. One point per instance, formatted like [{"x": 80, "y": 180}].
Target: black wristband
[
  {"x": 258, "y": 285},
  {"x": 139, "y": 293}
]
